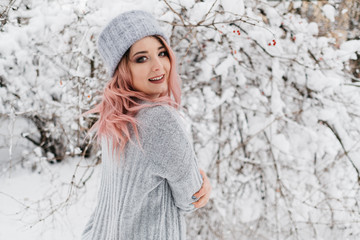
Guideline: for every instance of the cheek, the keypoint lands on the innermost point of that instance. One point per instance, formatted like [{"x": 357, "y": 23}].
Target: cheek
[
  {"x": 167, "y": 64},
  {"x": 137, "y": 73},
  {"x": 135, "y": 78}
]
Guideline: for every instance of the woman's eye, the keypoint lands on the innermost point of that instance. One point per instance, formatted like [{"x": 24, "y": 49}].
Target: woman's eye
[
  {"x": 163, "y": 54},
  {"x": 141, "y": 59}
]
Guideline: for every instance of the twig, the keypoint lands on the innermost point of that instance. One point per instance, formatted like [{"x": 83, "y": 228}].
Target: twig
[{"x": 343, "y": 147}]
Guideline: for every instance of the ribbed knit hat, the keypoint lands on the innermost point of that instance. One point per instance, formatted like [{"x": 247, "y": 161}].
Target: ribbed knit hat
[{"x": 122, "y": 32}]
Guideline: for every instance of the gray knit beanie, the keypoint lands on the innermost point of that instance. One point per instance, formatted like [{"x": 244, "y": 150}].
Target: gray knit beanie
[{"x": 122, "y": 32}]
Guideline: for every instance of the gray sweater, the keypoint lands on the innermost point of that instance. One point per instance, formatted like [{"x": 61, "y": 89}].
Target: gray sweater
[{"x": 146, "y": 197}]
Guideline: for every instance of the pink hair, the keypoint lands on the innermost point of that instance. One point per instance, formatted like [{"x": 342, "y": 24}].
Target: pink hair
[{"x": 119, "y": 107}]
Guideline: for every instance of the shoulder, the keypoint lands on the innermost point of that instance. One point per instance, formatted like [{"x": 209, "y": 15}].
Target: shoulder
[
  {"x": 162, "y": 114},
  {"x": 160, "y": 119}
]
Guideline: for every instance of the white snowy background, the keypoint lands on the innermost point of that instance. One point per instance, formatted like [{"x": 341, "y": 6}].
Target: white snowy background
[{"x": 271, "y": 100}]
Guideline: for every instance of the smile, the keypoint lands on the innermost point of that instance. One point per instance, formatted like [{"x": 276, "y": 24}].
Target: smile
[{"x": 157, "y": 78}]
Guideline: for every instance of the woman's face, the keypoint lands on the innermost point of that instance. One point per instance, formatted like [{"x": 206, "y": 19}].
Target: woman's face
[{"x": 149, "y": 65}]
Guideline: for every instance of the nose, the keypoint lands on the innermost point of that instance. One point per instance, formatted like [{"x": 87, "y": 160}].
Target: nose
[{"x": 157, "y": 64}]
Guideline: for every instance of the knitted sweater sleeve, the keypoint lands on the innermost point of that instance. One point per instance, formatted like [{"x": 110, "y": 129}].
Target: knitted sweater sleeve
[{"x": 166, "y": 145}]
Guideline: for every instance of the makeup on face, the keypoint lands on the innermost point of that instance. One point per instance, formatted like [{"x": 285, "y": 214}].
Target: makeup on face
[{"x": 149, "y": 66}]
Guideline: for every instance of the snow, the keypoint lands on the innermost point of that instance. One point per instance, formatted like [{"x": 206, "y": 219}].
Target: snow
[
  {"x": 313, "y": 28},
  {"x": 329, "y": 12},
  {"x": 187, "y": 3},
  {"x": 273, "y": 16},
  {"x": 281, "y": 144},
  {"x": 318, "y": 81},
  {"x": 261, "y": 36},
  {"x": 265, "y": 121},
  {"x": 258, "y": 124},
  {"x": 297, "y": 4},
  {"x": 224, "y": 66},
  {"x": 168, "y": 16},
  {"x": 28, "y": 197},
  {"x": 327, "y": 114},
  {"x": 8, "y": 45},
  {"x": 277, "y": 104},
  {"x": 241, "y": 79},
  {"x": 230, "y": 7},
  {"x": 199, "y": 10},
  {"x": 349, "y": 48}
]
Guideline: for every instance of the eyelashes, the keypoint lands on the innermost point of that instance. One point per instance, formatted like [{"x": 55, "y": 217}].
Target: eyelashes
[
  {"x": 142, "y": 59},
  {"x": 164, "y": 54}
]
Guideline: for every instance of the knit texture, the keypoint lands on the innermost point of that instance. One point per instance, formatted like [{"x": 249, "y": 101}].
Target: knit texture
[
  {"x": 147, "y": 196},
  {"x": 122, "y": 32}
]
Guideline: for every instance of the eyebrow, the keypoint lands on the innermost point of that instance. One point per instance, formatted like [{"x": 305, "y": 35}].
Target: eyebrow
[{"x": 142, "y": 52}]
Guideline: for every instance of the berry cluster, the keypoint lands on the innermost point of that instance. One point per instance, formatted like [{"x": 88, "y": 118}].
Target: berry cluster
[
  {"x": 238, "y": 32},
  {"x": 273, "y": 43}
]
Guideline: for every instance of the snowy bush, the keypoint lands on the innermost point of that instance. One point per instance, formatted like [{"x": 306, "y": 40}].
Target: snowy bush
[
  {"x": 49, "y": 73},
  {"x": 275, "y": 121}
]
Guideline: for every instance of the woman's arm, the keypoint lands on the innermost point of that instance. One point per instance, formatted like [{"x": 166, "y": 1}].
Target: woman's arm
[{"x": 171, "y": 154}]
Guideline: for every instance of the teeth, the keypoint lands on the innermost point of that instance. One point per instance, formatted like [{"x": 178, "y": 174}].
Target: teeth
[{"x": 155, "y": 79}]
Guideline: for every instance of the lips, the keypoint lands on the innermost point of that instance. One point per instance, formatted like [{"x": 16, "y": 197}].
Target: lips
[{"x": 157, "y": 79}]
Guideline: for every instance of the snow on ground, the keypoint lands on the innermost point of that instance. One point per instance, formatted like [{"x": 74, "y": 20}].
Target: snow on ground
[{"x": 22, "y": 205}]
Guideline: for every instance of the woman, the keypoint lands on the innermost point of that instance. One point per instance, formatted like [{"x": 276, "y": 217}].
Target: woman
[{"x": 150, "y": 176}]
